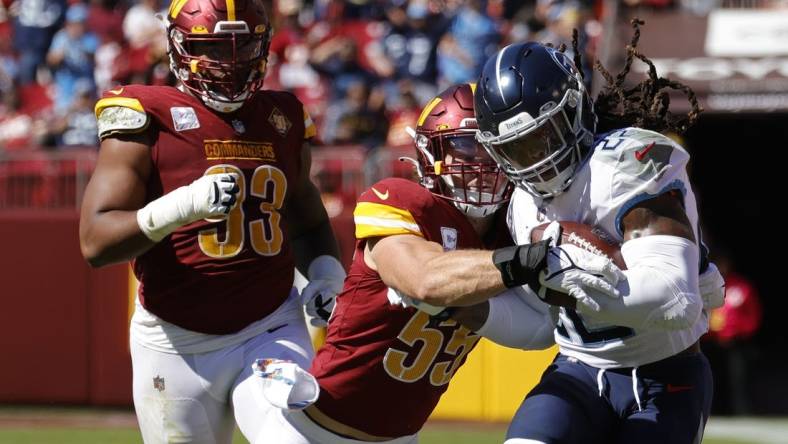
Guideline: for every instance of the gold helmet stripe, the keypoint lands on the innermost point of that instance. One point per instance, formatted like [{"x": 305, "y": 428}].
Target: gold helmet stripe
[
  {"x": 176, "y": 6},
  {"x": 427, "y": 110},
  {"x": 473, "y": 87},
  {"x": 230, "y": 10}
]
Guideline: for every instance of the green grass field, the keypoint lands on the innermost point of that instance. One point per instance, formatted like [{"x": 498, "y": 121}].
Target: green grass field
[
  {"x": 431, "y": 435},
  {"x": 89, "y": 426}
]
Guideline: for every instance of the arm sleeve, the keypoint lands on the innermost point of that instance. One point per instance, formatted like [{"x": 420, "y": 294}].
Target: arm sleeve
[
  {"x": 517, "y": 319},
  {"x": 661, "y": 290}
]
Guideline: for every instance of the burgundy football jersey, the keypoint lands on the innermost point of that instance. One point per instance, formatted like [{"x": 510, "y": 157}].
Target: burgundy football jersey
[
  {"x": 383, "y": 367},
  {"x": 218, "y": 276}
]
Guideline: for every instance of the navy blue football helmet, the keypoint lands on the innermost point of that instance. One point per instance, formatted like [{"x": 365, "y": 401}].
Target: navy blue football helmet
[{"x": 535, "y": 116}]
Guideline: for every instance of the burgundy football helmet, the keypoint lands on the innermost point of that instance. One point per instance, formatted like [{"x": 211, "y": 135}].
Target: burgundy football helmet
[
  {"x": 219, "y": 49},
  {"x": 450, "y": 162}
]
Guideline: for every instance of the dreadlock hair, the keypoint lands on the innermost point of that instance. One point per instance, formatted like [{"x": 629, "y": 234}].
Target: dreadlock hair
[{"x": 646, "y": 104}]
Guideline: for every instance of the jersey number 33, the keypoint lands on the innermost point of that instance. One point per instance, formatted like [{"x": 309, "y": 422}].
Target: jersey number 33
[{"x": 269, "y": 184}]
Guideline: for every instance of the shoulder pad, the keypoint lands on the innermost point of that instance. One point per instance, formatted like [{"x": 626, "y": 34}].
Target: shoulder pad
[
  {"x": 633, "y": 165},
  {"x": 120, "y": 115},
  {"x": 640, "y": 154},
  {"x": 388, "y": 208},
  {"x": 399, "y": 192}
]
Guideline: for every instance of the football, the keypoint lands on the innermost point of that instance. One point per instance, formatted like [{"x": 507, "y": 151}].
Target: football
[{"x": 587, "y": 237}]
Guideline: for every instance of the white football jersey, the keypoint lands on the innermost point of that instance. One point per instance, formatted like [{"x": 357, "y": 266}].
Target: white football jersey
[{"x": 626, "y": 167}]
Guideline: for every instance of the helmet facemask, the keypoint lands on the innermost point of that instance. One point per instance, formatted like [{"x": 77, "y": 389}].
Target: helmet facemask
[
  {"x": 454, "y": 166},
  {"x": 223, "y": 68},
  {"x": 542, "y": 154}
]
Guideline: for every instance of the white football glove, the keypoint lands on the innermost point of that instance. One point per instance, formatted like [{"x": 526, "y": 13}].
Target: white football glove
[
  {"x": 212, "y": 195},
  {"x": 712, "y": 287},
  {"x": 571, "y": 269},
  {"x": 397, "y": 298},
  {"x": 326, "y": 279},
  {"x": 285, "y": 384}
]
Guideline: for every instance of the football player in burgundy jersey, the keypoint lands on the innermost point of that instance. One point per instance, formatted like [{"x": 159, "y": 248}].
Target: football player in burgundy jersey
[
  {"x": 385, "y": 365},
  {"x": 205, "y": 188}
]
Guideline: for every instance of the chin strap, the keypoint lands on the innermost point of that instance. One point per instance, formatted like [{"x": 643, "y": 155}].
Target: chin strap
[
  {"x": 476, "y": 211},
  {"x": 222, "y": 107}
]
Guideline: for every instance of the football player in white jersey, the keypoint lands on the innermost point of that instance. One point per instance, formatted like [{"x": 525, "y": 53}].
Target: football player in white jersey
[{"x": 629, "y": 369}]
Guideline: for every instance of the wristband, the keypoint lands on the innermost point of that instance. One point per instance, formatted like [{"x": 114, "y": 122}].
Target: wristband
[{"x": 521, "y": 264}]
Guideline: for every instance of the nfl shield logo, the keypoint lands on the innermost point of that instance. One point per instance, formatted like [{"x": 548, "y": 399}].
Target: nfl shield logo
[
  {"x": 238, "y": 126},
  {"x": 184, "y": 118},
  {"x": 449, "y": 237},
  {"x": 280, "y": 123},
  {"x": 158, "y": 383}
]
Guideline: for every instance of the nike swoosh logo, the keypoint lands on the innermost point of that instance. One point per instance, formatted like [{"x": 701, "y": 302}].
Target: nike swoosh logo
[
  {"x": 271, "y": 330},
  {"x": 321, "y": 307},
  {"x": 678, "y": 388},
  {"x": 116, "y": 91},
  {"x": 639, "y": 155},
  {"x": 381, "y": 196}
]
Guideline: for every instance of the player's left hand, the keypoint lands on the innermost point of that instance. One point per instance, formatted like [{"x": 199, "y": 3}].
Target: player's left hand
[
  {"x": 712, "y": 287},
  {"x": 326, "y": 279},
  {"x": 286, "y": 385}
]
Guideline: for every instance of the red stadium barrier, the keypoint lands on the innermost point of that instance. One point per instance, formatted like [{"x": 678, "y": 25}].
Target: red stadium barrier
[
  {"x": 45, "y": 180},
  {"x": 338, "y": 171},
  {"x": 385, "y": 162},
  {"x": 63, "y": 325}
]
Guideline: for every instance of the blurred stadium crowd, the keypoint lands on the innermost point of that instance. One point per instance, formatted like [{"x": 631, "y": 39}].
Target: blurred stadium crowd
[{"x": 363, "y": 68}]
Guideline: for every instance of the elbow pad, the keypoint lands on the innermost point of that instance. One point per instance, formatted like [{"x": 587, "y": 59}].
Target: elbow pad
[
  {"x": 517, "y": 319},
  {"x": 661, "y": 290}
]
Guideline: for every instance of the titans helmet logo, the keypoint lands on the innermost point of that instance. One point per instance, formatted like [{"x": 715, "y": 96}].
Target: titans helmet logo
[{"x": 562, "y": 60}]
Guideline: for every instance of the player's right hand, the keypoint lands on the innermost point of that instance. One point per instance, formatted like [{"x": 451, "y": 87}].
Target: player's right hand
[
  {"x": 212, "y": 195},
  {"x": 573, "y": 270}
]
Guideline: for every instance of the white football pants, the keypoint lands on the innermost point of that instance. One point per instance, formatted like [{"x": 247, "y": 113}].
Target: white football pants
[{"x": 192, "y": 398}]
